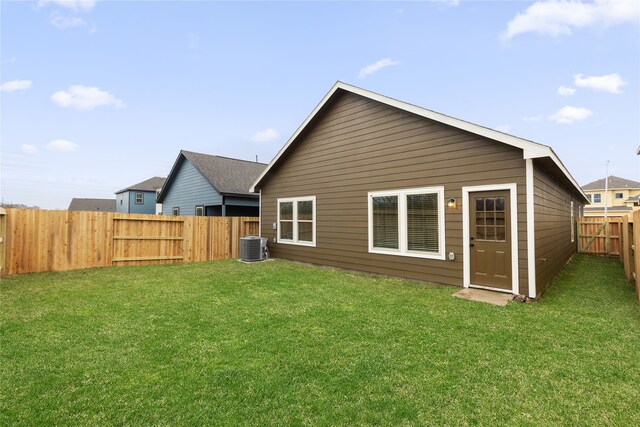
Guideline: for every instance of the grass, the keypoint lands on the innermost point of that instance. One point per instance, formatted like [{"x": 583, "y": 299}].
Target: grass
[{"x": 279, "y": 343}]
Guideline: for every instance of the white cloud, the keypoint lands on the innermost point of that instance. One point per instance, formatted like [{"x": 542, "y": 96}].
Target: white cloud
[
  {"x": 265, "y": 135},
  {"x": 610, "y": 83},
  {"x": 75, "y": 5},
  {"x": 557, "y": 18},
  {"x": 14, "y": 85},
  {"x": 376, "y": 66},
  {"x": 62, "y": 145},
  {"x": 566, "y": 91},
  {"x": 85, "y": 98},
  {"x": 64, "y": 22},
  {"x": 28, "y": 149},
  {"x": 533, "y": 118},
  {"x": 503, "y": 128},
  {"x": 570, "y": 114}
]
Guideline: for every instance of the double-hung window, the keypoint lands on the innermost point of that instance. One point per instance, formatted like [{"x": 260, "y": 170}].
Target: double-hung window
[
  {"x": 297, "y": 220},
  {"x": 597, "y": 198},
  {"x": 407, "y": 222},
  {"x": 139, "y": 199}
]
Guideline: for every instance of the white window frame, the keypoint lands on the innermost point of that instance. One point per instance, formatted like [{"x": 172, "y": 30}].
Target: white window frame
[
  {"x": 295, "y": 240},
  {"x": 599, "y": 196},
  {"x": 201, "y": 207},
  {"x": 402, "y": 223},
  {"x": 573, "y": 225},
  {"x": 135, "y": 198},
  {"x": 175, "y": 211}
]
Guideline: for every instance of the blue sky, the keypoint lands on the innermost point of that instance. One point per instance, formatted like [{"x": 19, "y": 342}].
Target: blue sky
[{"x": 99, "y": 95}]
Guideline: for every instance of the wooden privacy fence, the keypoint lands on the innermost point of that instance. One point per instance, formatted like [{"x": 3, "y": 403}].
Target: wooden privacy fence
[
  {"x": 39, "y": 240},
  {"x": 599, "y": 236},
  {"x": 629, "y": 234}
]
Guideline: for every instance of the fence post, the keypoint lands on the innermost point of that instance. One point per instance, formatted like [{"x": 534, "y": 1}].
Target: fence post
[
  {"x": 625, "y": 248},
  {"x": 3, "y": 241},
  {"x": 636, "y": 253}
]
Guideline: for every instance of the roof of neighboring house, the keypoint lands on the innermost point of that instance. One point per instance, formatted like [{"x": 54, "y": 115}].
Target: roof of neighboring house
[
  {"x": 530, "y": 149},
  {"x": 226, "y": 175},
  {"x": 634, "y": 199},
  {"x": 102, "y": 205},
  {"x": 151, "y": 184},
  {"x": 615, "y": 183}
]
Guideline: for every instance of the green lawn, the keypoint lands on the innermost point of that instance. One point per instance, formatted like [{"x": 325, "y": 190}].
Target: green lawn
[{"x": 278, "y": 343}]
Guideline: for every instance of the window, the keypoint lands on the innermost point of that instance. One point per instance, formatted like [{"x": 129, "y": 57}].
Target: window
[
  {"x": 619, "y": 196},
  {"x": 297, "y": 220},
  {"x": 199, "y": 210},
  {"x": 573, "y": 224},
  {"x": 407, "y": 222},
  {"x": 139, "y": 198},
  {"x": 597, "y": 198},
  {"x": 589, "y": 198},
  {"x": 176, "y": 211}
]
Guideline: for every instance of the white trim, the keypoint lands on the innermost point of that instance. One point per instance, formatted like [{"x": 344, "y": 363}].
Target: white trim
[
  {"x": 295, "y": 240},
  {"x": 531, "y": 231},
  {"x": 466, "y": 253},
  {"x": 530, "y": 149},
  {"x": 489, "y": 288},
  {"x": 402, "y": 222}
]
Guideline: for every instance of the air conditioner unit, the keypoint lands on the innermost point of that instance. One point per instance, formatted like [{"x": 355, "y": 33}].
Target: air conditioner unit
[{"x": 253, "y": 248}]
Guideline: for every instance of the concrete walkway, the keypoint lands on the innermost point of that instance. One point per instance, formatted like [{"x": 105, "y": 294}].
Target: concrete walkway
[{"x": 490, "y": 297}]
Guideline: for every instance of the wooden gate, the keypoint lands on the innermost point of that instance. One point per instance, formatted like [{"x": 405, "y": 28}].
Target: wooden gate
[
  {"x": 146, "y": 239},
  {"x": 599, "y": 236}
]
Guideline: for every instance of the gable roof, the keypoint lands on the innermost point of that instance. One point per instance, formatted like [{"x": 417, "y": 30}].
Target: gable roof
[
  {"x": 151, "y": 184},
  {"x": 615, "y": 183},
  {"x": 224, "y": 174},
  {"x": 531, "y": 150},
  {"x": 101, "y": 205}
]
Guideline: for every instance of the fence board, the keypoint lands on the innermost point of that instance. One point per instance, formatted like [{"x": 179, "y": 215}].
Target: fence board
[{"x": 39, "y": 240}]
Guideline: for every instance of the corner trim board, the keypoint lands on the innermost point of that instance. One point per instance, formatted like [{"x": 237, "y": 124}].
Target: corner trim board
[{"x": 531, "y": 232}]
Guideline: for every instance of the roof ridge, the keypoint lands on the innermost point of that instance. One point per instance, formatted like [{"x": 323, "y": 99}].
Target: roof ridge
[{"x": 224, "y": 157}]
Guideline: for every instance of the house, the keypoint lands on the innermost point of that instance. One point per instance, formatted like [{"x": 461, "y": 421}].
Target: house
[
  {"x": 620, "y": 196},
  {"x": 374, "y": 184},
  {"x": 100, "y": 205},
  {"x": 202, "y": 184},
  {"x": 140, "y": 198}
]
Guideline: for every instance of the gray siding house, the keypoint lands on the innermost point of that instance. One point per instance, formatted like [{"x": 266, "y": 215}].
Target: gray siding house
[
  {"x": 374, "y": 184},
  {"x": 140, "y": 198},
  {"x": 206, "y": 185}
]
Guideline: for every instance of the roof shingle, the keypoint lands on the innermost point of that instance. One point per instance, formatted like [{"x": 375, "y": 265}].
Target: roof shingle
[{"x": 615, "y": 183}]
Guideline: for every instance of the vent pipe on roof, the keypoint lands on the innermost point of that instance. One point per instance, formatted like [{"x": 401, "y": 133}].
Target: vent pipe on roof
[{"x": 256, "y": 158}]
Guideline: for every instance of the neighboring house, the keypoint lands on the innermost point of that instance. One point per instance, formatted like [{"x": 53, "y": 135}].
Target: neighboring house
[
  {"x": 621, "y": 196},
  {"x": 374, "y": 184},
  {"x": 206, "y": 185},
  {"x": 101, "y": 205},
  {"x": 140, "y": 198}
]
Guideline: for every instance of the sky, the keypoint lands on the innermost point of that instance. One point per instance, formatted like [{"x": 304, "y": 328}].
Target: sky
[{"x": 96, "y": 96}]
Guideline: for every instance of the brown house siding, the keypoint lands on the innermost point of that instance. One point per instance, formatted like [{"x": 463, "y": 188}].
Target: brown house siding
[
  {"x": 357, "y": 145},
  {"x": 552, "y": 212}
]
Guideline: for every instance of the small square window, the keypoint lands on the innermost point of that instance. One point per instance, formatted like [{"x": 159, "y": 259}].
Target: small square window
[
  {"x": 619, "y": 196},
  {"x": 199, "y": 210},
  {"x": 176, "y": 211},
  {"x": 597, "y": 198},
  {"x": 139, "y": 198}
]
